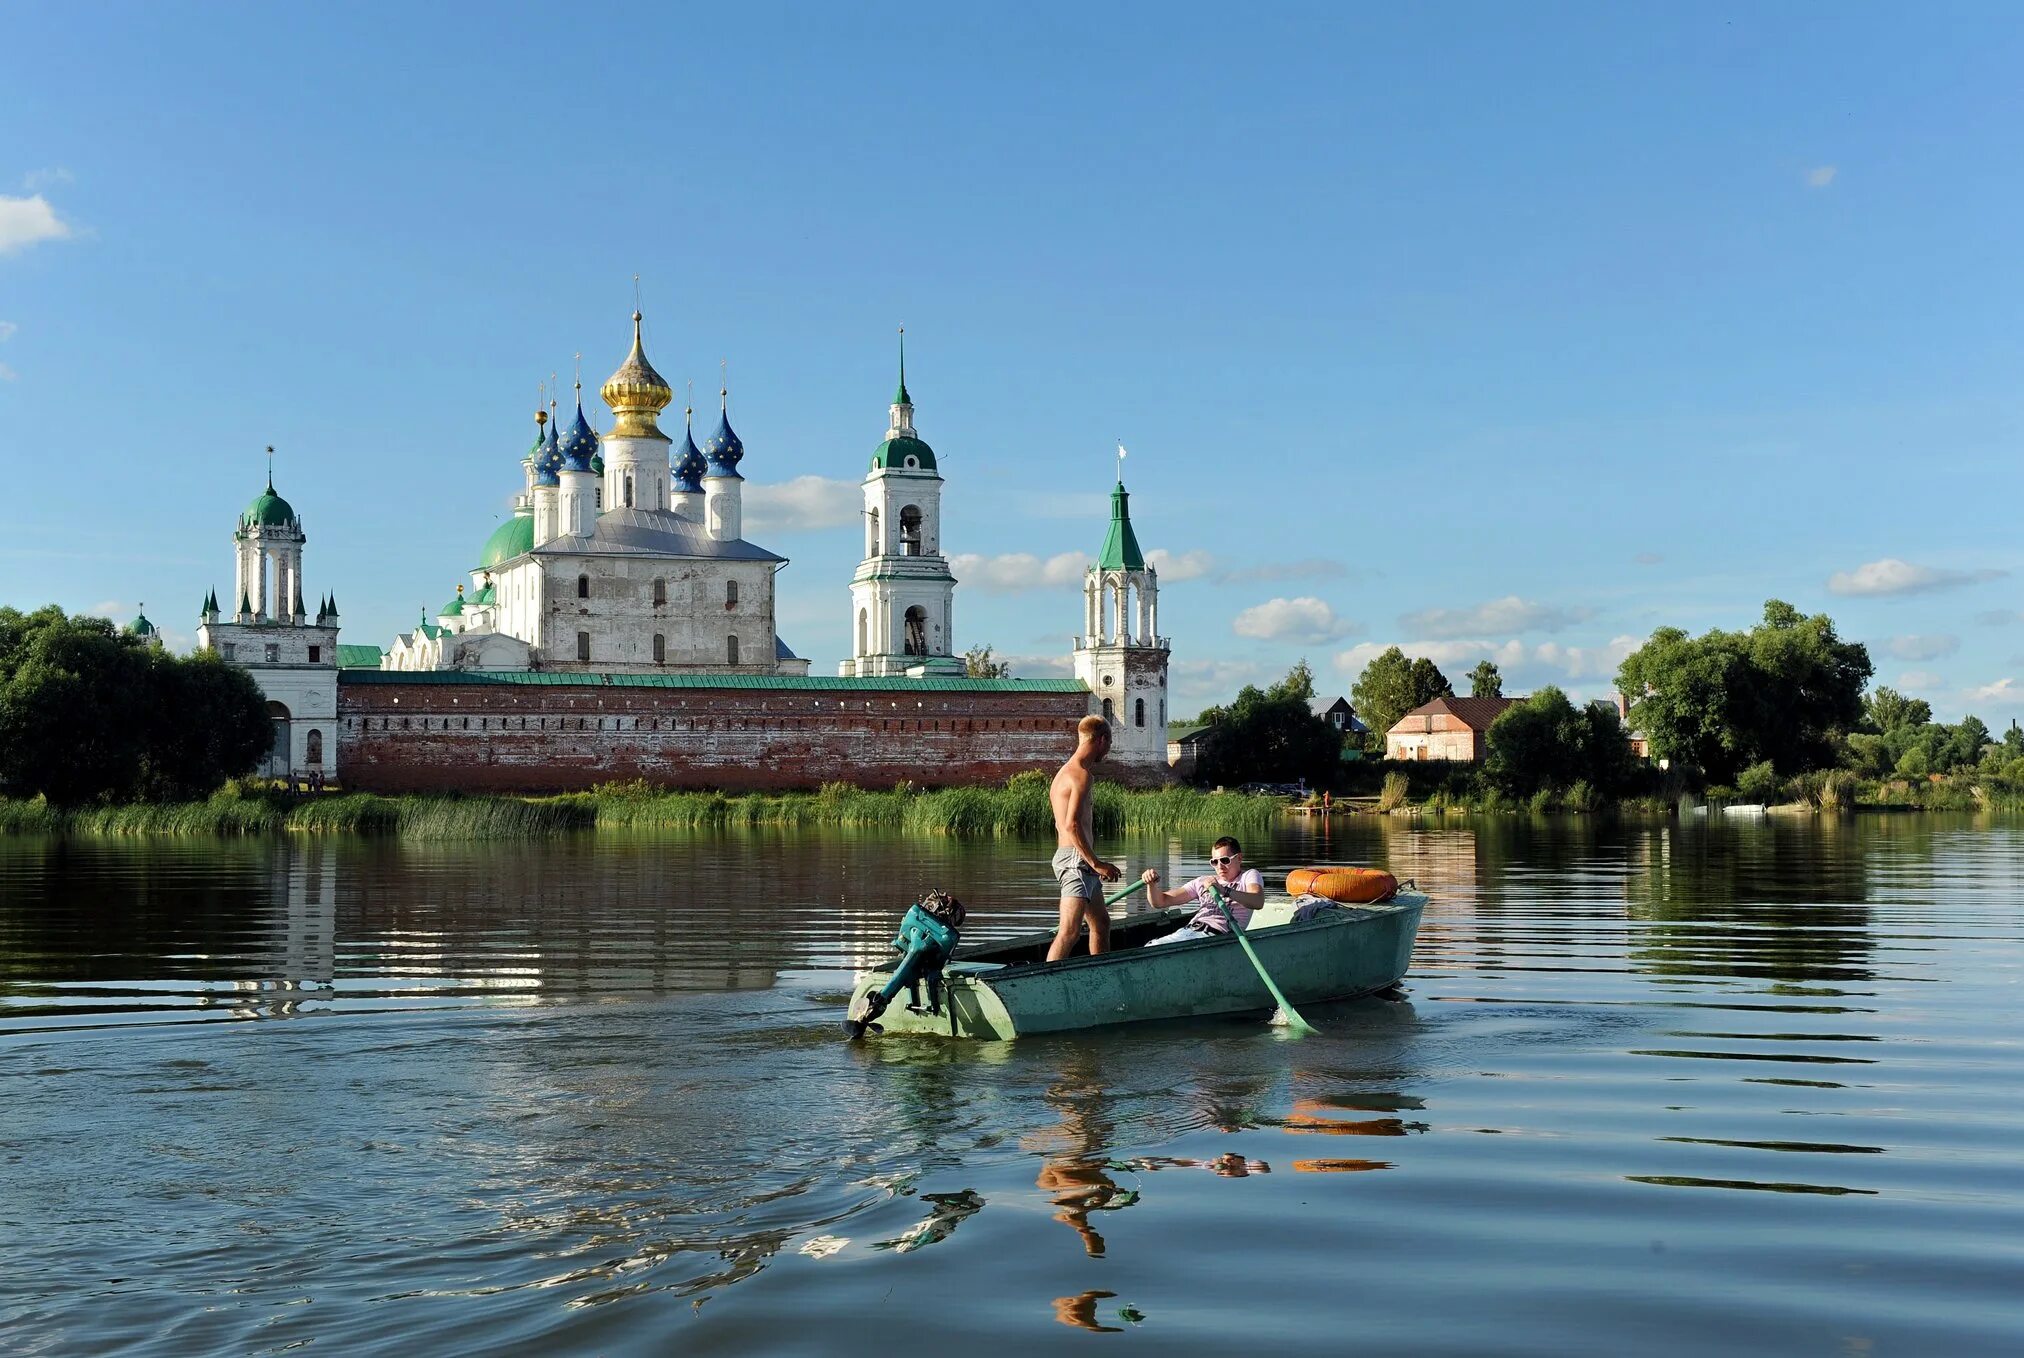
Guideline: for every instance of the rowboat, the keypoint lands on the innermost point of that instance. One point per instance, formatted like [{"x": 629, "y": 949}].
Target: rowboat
[{"x": 1008, "y": 989}]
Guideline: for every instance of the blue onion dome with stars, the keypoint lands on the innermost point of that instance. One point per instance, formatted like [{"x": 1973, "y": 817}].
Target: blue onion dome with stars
[
  {"x": 579, "y": 445},
  {"x": 689, "y": 465},
  {"x": 724, "y": 450},
  {"x": 548, "y": 466}
]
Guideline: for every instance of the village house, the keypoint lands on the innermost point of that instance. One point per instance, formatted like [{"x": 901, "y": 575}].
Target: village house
[{"x": 1453, "y": 729}]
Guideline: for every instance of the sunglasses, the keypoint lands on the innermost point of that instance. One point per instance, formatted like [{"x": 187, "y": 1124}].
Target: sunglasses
[{"x": 1227, "y": 858}]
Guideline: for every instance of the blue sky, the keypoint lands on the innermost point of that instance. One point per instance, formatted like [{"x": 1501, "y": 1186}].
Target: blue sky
[{"x": 1496, "y": 330}]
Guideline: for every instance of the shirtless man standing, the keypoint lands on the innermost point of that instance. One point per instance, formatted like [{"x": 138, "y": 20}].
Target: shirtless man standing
[{"x": 1076, "y": 865}]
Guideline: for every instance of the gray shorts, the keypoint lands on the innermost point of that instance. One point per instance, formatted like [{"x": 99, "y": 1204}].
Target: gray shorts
[{"x": 1076, "y": 876}]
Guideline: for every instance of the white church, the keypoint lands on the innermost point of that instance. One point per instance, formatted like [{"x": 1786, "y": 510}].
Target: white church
[{"x": 624, "y": 555}]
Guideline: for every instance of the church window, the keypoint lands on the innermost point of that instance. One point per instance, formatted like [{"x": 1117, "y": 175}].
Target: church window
[
  {"x": 583, "y": 645},
  {"x": 1139, "y": 714},
  {"x": 910, "y": 531},
  {"x": 314, "y": 752},
  {"x": 863, "y": 632},
  {"x": 273, "y": 653},
  {"x": 315, "y": 654},
  {"x": 1163, "y": 711},
  {"x": 917, "y": 631},
  {"x": 660, "y": 591},
  {"x": 1109, "y": 713},
  {"x": 583, "y": 587},
  {"x": 873, "y": 545},
  {"x": 660, "y": 649},
  {"x": 730, "y": 650},
  {"x": 730, "y": 594},
  {"x": 227, "y": 650},
  {"x": 628, "y": 492}
]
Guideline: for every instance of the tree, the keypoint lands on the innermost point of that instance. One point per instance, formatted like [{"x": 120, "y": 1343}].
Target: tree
[
  {"x": 1887, "y": 710},
  {"x": 978, "y": 664},
  {"x": 1391, "y": 686},
  {"x": 1788, "y": 690},
  {"x": 1485, "y": 681},
  {"x": 1545, "y": 741},
  {"x": 1270, "y": 735},
  {"x": 89, "y": 714}
]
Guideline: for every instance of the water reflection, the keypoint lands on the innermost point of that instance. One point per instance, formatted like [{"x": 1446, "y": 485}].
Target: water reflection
[{"x": 1075, "y": 1175}]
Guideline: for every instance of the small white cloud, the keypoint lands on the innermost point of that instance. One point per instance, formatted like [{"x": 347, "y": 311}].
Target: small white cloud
[
  {"x": 2001, "y": 617},
  {"x": 1820, "y": 176},
  {"x": 1017, "y": 572},
  {"x": 804, "y": 504},
  {"x": 1892, "y": 576},
  {"x": 1306, "y": 620},
  {"x": 7, "y": 374},
  {"x": 1175, "y": 567},
  {"x": 1920, "y": 681},
  {"x": 42, "y": 179},
  {"x": 1039, "y": 666},
  {"x": 25, "y": 221},
  {"x": 2003, "y": 693},
  {"x": 1923, "y": 647},
  {"x": 1454, "y": 656},
  {"x": 1509, "y": 614},
  {"x": 7, "y": 329},
  {"x": 1312, "y": 568},
  {"x": 1587, "y": 662}
]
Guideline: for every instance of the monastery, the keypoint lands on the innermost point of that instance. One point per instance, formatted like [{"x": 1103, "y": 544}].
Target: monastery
[{"x": 619, "y": 625}]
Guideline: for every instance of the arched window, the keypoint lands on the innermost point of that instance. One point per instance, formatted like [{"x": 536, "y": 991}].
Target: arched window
[
  {"x": 730, "y": 594},
  {"x": 628, "y": 491},
  {"x": 1109, "y": 712},
  {"x": 660, "y": 591},
  {"x": 910, "y": 531},
  {"x": 660, "y": 649},
  {"x": 873, "y": 546},
  {"x": 583, "y": 587},
  {"x": 917, "y": 631},
  {"x": 583, "y": 645},
  {"x": 314, "y": 753},
  {"x": 864, "y": 629},
  {"x": 1139, "y": 716},
  {"x": 730, "y": 650}
]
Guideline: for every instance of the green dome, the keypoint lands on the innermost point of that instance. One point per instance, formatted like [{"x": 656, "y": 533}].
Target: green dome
[
  {"x": 141, "y": 627},
  {"x": 515, "y": 537},
  {"x": 269, "y": 511},
  {"x": 454, "y": 607},
  {"x": 894, "y": 452}
]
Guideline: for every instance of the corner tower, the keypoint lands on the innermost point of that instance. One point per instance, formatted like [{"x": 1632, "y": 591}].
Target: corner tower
[
  {"x": 902, "y": 597},
  {"x": 1120, "y": 655}
]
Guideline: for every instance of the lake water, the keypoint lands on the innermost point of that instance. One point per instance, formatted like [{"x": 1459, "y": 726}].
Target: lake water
[{"x": 1654, "y": 1089}]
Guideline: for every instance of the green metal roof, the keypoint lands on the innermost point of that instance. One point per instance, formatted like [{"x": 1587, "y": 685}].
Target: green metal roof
[
  {"x": 1120, "y": 544},
  {"x": 456, "y": 605},
  {"x": 514, "y": 537},
  {"x": 489, "y": 594},
  {"x": 351, "y": 657},
  {"x": 268, "y": 510},
  {"x": 893, "y": 454},
  {"x": 782, "y": 682}
]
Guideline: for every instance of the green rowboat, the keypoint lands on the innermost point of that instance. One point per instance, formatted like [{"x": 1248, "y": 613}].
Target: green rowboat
[{"x": 1007, "y": 989}]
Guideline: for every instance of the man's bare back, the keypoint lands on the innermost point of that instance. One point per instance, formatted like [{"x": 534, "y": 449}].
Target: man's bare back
[{"x": 1076, "y": 865}]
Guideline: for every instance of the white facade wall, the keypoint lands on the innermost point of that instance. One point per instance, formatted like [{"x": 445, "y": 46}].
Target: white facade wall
[
  {"x": 635, "y": 472},
  {"x": 620, "y": 618},
  {"x": 295, "y": 667}
]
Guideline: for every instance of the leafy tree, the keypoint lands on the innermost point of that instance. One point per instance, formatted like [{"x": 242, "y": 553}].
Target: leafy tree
[
  {"x": 1787, "y": 690},
  {"x": 89, "y": 714},
  {"x": 1391, "y": 686},
  {"x": 1546, "y": 742},
  {"x": 978, "y": 664},
  {"x": 1485, "y": 681},
  {"x": 1886, "y": 710},
  {"x": 1758, "y": 783},
  {"x": 1271, "y": 735}
]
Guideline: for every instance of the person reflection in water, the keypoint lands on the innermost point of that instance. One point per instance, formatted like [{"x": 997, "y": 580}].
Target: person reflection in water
[{"x": 1075, "y": 1176}]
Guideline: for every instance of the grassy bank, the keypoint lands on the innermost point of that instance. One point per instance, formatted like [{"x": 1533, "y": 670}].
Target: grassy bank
[
  {"x": 1833, "y": 791},
  {"x": 1018, "y": 808}
]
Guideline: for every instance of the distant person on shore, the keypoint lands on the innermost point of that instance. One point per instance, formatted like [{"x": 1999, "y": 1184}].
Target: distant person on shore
[
  {"x": 1242, "y": 889},
  {"x": 1076, "y": 865}
]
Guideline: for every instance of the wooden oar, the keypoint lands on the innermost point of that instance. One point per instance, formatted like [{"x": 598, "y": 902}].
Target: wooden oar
[{"x": 1294, "y": 1022}]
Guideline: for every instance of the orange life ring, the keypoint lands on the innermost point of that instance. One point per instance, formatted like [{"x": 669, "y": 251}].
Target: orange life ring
[{"x": 1349, "y": 886}]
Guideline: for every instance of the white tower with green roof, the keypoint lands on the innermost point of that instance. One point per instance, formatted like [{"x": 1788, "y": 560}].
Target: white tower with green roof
[
  {"x": 902, "y": 599},
  {"x": 1121, "y": 655}
]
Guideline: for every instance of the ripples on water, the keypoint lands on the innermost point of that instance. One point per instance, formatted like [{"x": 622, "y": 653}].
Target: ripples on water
[{"x": 1654, "y": 1089}]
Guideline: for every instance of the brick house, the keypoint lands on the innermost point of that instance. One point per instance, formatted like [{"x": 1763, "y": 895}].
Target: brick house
[{"x": 1453, "y": 729}]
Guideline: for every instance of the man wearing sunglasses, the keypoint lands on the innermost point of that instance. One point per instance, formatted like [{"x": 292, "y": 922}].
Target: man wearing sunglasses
[{"x": 1242, "y": 889}]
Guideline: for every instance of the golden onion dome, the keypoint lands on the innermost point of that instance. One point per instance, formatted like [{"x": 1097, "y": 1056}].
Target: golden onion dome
[{"x": 636, "y": 394}]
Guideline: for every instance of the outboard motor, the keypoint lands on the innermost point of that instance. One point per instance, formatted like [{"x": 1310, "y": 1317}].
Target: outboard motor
[{"x": 927, "y": 937}]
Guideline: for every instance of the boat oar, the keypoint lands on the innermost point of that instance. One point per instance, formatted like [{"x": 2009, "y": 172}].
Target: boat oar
[{"x": 1297, "y": 1024}]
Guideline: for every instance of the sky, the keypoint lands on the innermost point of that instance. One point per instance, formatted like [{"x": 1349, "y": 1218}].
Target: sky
[{"x": 1483, "y": 330}]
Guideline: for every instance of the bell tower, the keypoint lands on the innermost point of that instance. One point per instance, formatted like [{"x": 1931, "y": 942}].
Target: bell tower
[{"x": 1120, "y": 655}]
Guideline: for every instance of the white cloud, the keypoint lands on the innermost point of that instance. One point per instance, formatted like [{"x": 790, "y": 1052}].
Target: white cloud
[
  {"x": 24, "y": 221},
  {"x": 1039, "y": 666},
  {"x": 1509, "y": 614},
  {"x": 1587, "y": 662},
  {"x": 1306, "y": 620},
  {"x": 1199, "y": 683},
  {"x": 119, "y": 610},
  {"x": 7, "y": 329},
  {"x": 1454, "y": 656},
  {"x": 1923, "y": 681},
  {"x": 1892, "y": 576},
  {"x": 7, "y": 374},
  {"x": 1923, "y": 647},
  {"x": 1016, "y": 572},
  {"x": 42, "y": 179},
  {"x": 2001, "y": 617},
  {"x": 804, "y": 504},
  {"x": 1312, "y": 568},
  {"x": 2004, "y": 692},
  {"x": 1820, "y": 176},
  {"x": 1173, "y": 567}
]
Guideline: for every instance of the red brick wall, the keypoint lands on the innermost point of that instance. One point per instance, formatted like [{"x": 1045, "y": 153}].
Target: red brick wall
[{"x": 430, "y": 737}]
